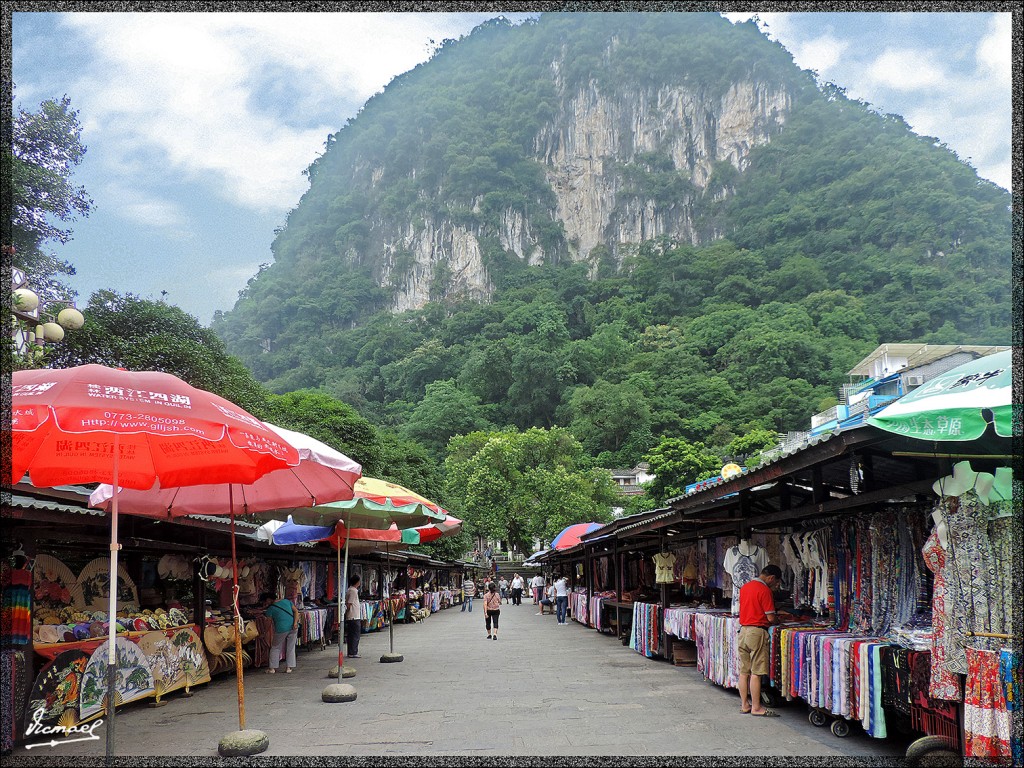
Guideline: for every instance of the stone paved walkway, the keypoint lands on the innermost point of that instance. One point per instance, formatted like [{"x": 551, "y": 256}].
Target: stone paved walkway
[{"x": 540, "y": 689}]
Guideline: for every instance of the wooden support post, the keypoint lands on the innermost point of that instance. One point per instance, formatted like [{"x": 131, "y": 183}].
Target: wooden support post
[{"x": 819, "y": 494}]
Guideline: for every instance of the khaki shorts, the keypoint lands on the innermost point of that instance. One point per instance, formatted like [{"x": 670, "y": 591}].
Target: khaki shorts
[{"x": 753, "y": 648}]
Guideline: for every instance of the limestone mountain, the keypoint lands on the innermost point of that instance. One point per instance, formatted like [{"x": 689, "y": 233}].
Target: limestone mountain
[{"x": 676, "y": 161}]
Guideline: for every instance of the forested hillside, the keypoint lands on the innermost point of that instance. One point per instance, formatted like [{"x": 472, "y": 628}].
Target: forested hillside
[{"x": 769, "y": 271}]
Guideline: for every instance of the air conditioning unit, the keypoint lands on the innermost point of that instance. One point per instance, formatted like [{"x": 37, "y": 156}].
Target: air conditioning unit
[{"x": 915, "y": 381}]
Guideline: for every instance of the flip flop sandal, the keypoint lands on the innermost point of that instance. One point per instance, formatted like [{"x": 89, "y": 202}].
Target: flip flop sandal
[{"x": 766, "y": 713}]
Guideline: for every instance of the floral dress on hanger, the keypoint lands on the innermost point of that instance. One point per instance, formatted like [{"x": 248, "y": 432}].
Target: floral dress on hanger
[{"x": 944, "y": 684}]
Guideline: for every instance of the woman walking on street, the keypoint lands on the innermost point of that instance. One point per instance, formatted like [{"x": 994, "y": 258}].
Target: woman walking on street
[{"x": 492, "y": 607}]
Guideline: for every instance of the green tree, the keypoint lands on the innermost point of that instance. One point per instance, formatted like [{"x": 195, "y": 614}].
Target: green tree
[
  {"x": 611, "y": 417},
  {"x": 676, "y": 463},
  {"x": 521, "y": 485},
  {"x": 125, "y": 331},
  {"x": 330, "y": 421},
  {"x": 445, "y": 411},
  {"x": 747, "y": 448},
  {"x": 45, "y": 148}
]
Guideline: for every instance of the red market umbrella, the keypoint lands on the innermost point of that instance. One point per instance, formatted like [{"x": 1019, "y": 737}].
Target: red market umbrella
[
  {"x": 570, "y": 536},
  {"x": 93, "y": 424},
  {"x": 321, "y": 475}
]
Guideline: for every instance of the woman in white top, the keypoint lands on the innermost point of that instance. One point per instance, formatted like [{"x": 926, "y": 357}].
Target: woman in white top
[
  {"x": 517, "y": 590},
  {"x": 353, "y": 617}
]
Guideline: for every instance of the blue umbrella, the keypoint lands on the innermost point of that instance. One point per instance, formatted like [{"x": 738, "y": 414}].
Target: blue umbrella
[{"x": 293, "y": 533}]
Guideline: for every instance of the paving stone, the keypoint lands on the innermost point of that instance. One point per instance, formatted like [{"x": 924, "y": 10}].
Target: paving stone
[{"x": 540, "y": 689}]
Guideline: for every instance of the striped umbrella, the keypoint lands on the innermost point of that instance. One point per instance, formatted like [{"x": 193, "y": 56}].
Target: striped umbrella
[{"x": 957, "y": 405}]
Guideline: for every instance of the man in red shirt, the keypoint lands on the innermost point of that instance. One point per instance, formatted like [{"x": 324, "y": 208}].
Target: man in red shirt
[{"x": 757, "y": 613}]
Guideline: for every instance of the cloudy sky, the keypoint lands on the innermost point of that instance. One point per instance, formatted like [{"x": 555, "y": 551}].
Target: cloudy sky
[{"x": 199, "y": 125}]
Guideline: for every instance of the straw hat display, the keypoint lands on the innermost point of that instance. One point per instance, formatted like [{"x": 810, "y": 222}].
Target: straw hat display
[
  {"x": 174, "y": 567},
  {"x": 218, "y": 638}
]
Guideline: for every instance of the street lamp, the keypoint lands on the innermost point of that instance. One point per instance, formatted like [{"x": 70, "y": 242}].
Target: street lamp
[{"x": 33, "y": 326}]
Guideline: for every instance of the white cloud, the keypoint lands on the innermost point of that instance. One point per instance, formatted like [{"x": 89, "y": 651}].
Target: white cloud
[
  {"x": 194, "y": 89},
  {"x": 995, "y": 49},
  {"x": 154, "y": 213},
  {"x": 906, "y": 70},
  {"x": 820, "y": 54}
]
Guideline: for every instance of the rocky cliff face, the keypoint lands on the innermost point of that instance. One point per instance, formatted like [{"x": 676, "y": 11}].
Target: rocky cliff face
[{"x": 583, "y": 149}]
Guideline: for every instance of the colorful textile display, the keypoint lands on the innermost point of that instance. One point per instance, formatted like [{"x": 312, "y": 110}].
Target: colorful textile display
[
  {"x": 646, "y": 632},
  {"x": 1009, "y": 678},
  {"x": 596, "y": 614},
  {"x": 986, "y": 719},
  {"x": 716, "y": 637},
  {"x": 311, "y": 625},
  {"x": 16, "y": 605},
  {"x": 944, "y": 684},
  {"x": 578, "y": 607}
]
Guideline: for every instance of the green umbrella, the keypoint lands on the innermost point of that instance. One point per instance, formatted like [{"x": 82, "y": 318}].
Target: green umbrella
[
  {"x": 362, "y": 512},
  {"x": 957, "y": 405}
]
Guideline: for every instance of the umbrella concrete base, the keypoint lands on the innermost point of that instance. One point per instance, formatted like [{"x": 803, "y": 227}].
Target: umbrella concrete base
[
  {"x": 345, "y": 672},
  {"x": 243, "y": 743},
  {"x": 338, "y": 692},
  {"x": 391, "y": 658}
]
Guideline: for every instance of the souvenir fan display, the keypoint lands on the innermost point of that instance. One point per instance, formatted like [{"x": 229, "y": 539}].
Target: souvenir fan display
[
  {"x": 94, "y": 584},
  {"x": 54, "y": 699},
  {"x": 54, "y": 586},
  {"x": 133, "y": 680}
]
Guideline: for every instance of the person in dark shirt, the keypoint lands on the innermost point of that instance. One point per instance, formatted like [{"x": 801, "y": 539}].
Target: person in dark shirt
[{"x": 757, "y": 613}]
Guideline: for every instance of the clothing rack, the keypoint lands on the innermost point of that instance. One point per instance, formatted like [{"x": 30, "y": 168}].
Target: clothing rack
[{"x": 990, "y": 634}]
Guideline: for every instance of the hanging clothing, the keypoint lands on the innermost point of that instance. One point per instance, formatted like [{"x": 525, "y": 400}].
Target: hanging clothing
[
  {"x": 986, "y": 719},
  {"x": 944, "y": 684},
  {"x": 15, "y": 605},
  {"x": 972, "y": 574},
  {"x": 663, "y": 564},
  {"x": 1009, "y": 678},
  {"x": 743, "y": 566}
]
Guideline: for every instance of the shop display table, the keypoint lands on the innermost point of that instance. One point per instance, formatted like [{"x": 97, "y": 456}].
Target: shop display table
[
  {"x": 51, "y": 651},
  {"x": 620, "y": 618}
]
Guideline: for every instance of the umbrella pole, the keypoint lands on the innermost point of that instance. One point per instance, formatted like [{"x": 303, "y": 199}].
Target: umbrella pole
[
  {"x": 391, "y": 605},
  {"x": 112, "y": 612},
  {"x": 341, "y": 615},
  {"x": 237, "y": 618}
]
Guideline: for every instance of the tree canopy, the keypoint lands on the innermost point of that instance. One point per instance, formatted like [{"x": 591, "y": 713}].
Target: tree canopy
[
  {"x": 519, "y": 486},
  {"x": 46, "y": 146}
]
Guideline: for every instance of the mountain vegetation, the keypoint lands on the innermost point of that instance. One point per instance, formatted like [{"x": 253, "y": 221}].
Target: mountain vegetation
[
  {"x": 834, "y": 231},
  {"x": 844, "y": 231}
]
